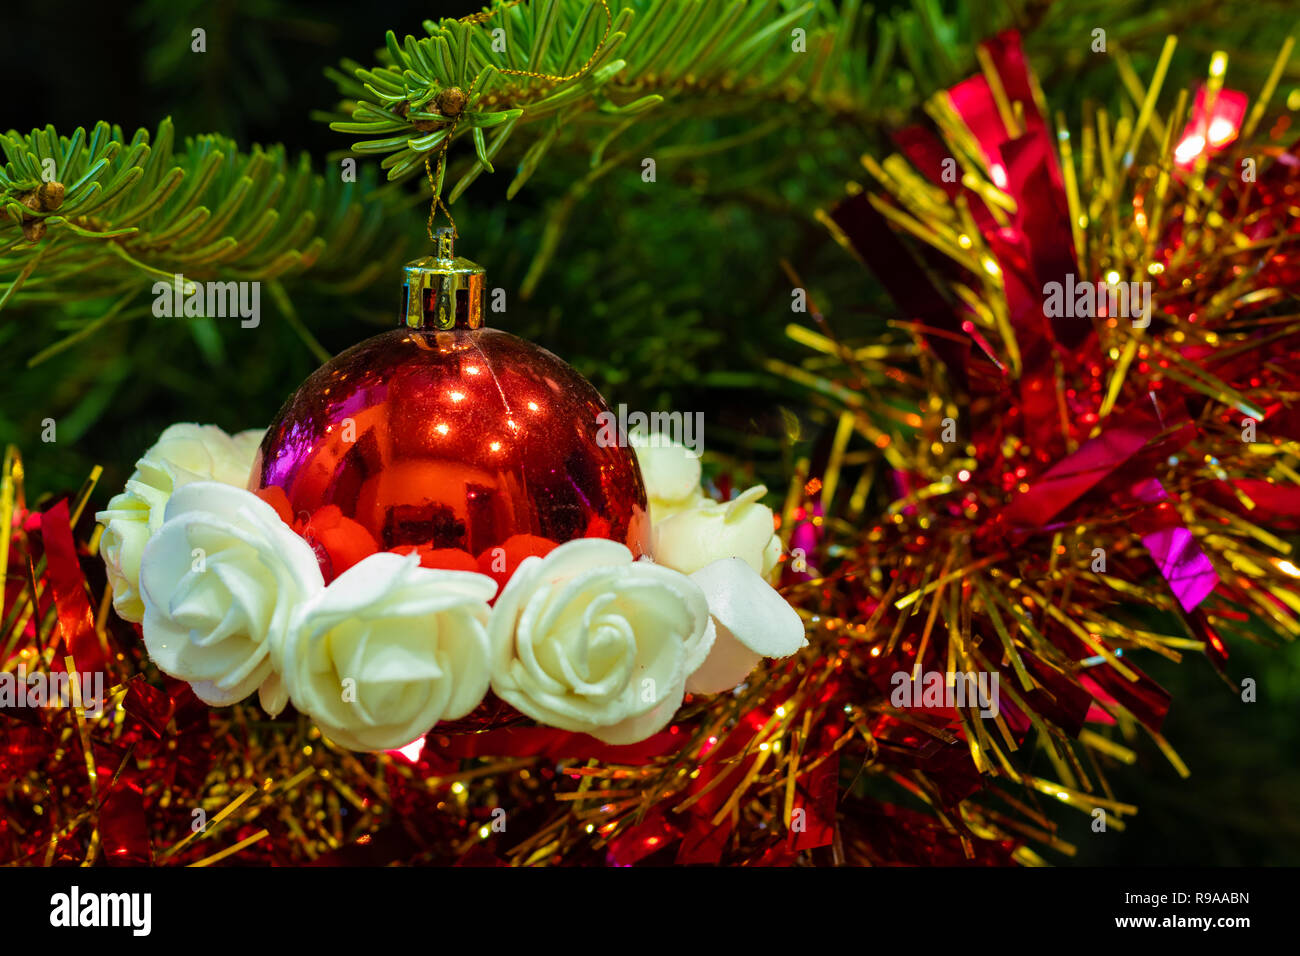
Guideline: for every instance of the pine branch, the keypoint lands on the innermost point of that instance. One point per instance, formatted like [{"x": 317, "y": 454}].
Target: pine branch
[
  {"x": 724, "y": 57},
  {"x": 93, "y": 216},
  {"x": 669, "y": 60}
]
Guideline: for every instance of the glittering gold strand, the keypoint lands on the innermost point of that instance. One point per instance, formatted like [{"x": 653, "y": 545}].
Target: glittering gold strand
[
  {"x": 1077, "y": 218},
  {"x": 231, "y": 850},
  {"x": 1146, "y": 115}
]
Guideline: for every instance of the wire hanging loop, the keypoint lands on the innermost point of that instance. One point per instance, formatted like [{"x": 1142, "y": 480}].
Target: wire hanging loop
[
  {"x": 435, "y": 192},
  {"x": 453, "y": 102}
]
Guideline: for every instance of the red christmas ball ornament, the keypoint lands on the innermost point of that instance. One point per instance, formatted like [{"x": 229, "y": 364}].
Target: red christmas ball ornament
[
  {"x": 468, "y": 445},
  {"x": 471, "y": 446}
]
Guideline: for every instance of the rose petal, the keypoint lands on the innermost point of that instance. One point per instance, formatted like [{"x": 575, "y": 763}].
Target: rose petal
[
  {"x": 635, "y": 729},
  {"x": 752, "y": 619},
  {"x": 671, "y": 471},
  {"x": 219, "y": 694},
  {"x": 501, "y": 561},
  {"x": 443, "y": 559},
  {"x": 273, "y": 695}
]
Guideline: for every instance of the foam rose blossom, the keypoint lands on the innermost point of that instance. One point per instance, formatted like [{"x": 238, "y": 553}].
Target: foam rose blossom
[
  {"x": 183, "y": 454},
  {"x": 671, "y": 472},
  {"x": 387, "y": 650},
  {"x": 712, "y": 530},
  {"x": 220, "y": 582},
  {"x": 587, "y": 639}
]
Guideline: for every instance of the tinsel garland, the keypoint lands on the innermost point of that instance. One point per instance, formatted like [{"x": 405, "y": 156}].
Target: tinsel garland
[{"x": 952, "y": 521}]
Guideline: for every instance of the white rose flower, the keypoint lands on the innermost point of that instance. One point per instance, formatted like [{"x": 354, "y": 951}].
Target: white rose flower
[
  {"x": 671, "y": 472},
  {"x": 387, "y": 650},
  {"x": 752, "y": 621},
  {"x": 588, "y": 640},
  {"x": 220, "y": 581},
  {"x": 244, "y": 445},
  {"x": 711, "y": 530},
  {"x": 183, "y": 454},
  {"x": 206, "y": 452}
]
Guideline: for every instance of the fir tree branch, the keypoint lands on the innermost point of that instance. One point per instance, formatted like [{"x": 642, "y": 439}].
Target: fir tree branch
[
  {"x": 726, "y": 57},
  {"x": 85, "y": 213},
  {"x": 812, "y": 63}
]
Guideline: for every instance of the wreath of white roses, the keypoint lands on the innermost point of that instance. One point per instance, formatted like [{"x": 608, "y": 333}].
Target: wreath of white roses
[{"x": 230, "y": 599}]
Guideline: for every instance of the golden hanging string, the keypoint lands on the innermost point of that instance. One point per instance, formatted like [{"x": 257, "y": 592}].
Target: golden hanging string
[{"x": 478, "y": 18}]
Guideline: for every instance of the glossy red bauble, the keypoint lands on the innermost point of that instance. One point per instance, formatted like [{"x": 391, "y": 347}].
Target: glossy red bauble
[{"x": 470, "y": 446}]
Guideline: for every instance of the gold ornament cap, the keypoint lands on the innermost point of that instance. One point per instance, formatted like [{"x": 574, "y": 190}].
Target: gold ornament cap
[{"x": 443, "y": 291}]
